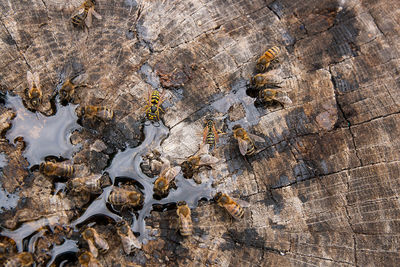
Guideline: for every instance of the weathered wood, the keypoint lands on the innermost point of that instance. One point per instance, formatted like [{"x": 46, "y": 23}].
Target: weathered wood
[{"x": 324, "y": 187}]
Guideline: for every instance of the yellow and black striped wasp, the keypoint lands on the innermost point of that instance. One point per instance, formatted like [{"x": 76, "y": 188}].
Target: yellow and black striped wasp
[
  {"x": 210, "y": 134},
  {"x": 153, "y": 107}
]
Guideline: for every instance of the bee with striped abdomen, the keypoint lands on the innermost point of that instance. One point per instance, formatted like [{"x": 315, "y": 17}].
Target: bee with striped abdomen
[
  {"x": 202, "y": 158},
  {"x": 268, "y": 96},
  {"x": 69, "y": 85},
  {"x": 153, "y": 107},
  {"x": 22, "y": 259},
  {"x": 264, "y": 61},
  {"x": 34, "y": 92},
  {"x": 161, "y": 185},
  {"x": 83, "y": 16},
  {"x": 124, "y": 197},
  {"x": 128, "y": 239},
  {"x": 95, "y": 241},
  {"x": 92, "y": 112},
  {"x": 61, "y": 169},
  {"x": 185, "y": 219},
  {"x": 271, "y": 78},
  {"x": 231, "y": 206},
  {"x": 86, "y": 259},
  {"x": 90, "y": 184},
  {"x": 246, "y": 140}
]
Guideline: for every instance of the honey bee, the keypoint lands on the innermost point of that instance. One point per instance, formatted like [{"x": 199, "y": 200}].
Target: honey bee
[
  {"x": 264, "y": 61},
  {"x": 95, "y": 241},
  {"x": 123, "y": 197},
  {"x": 210, "y": 134},
  {"x": 70, "y": 84},
  {"x": 83, "y": 16},
  {"x": 193, "y": 164},
  {"x": 161, "y": 185},
  {"x": 92, "y": 112},
  {"x": 271, "y": 95},
  {"x": 225, "y": 201},
  {"x": 185, "y": 219},
  {"x": 128, "y": 239},
  {"x": 153, "y": 107},
  {"x": 271, "y": 78},
  {"x": 34, "y": 93},
  {"x": 7, "y": 247},
  {"x": 245, "y": 140},
  {"x": 61, "y": 169},
  {"x": 20, "y": 260},
  {"x": 91, "y": 184},
  {"x": 86, "y": 259}
]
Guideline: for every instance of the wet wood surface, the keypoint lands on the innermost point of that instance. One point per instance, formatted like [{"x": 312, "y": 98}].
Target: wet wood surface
[{"x": 323, "y": 188}]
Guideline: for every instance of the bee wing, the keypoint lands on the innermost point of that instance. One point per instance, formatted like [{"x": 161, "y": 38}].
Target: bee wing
[
  {"x": 256, "y": 138},
  {"x": 37, "y": 79},
  {"x": 88, "y": 20},
  {"x": 241, "y": 202},
  {"x": 101, "y": 242},
  {"x": 97, "y": 15},
  {"x": 283, "y": 98},
  {"x": 79, "y": 79},
  {"x": 203, "y": 150},
  {"x": 165, "y": 166},
  {"x": 93, "y": 248},
  {"x": 29, "y": 78},
  {"x": 172, "y": 173},
  {"x": 207, "y": 159},
  {"x": 242, "y": 146}
]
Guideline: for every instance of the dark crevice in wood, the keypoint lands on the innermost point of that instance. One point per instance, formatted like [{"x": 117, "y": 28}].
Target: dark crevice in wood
[{"x": 322, "y": 258}]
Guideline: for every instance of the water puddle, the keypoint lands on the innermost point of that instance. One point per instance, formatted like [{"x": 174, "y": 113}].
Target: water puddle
[
  {"x": 44, "y": 136},
  {"x": 7, "y": 201},
  {"x": 3, "y": 160}
]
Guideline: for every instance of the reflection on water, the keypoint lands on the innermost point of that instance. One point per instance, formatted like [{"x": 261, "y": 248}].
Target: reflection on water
[
  {"x": 44, "y": 136},
  {"x": 7, "y": 201}
]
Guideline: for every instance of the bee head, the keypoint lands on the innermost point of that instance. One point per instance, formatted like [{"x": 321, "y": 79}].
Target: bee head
[
  {"x": 84, "y": 258},
  {"x": 88, "y": 233},
  {"x": 124, "y": 228},
  {"x": 134, "y": 197},
  {"x": 218, "y": 196},
  {"x": 181, "y": 203}
]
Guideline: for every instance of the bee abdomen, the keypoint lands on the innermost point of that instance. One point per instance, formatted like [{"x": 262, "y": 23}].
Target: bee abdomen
[
  {"x": 116, "y": 199},
  {"x": 237, "y": 212},
  {"x": 272, "y": 52},
  {"x": 251, "y": 150},
  {"x": 186, "y": 230},
  {"x": 77, "y": 20}
]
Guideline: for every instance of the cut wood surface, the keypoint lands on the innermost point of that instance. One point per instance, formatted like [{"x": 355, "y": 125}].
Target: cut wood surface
[{"x": 323, "y": 188}]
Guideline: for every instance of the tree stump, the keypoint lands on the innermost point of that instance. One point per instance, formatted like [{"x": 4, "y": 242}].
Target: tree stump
[{"x": 324, "y": 187}]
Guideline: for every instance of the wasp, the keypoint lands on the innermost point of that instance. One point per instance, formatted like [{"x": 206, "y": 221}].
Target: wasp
[
  {"x": 271, "y": 78},
  {"x": 193, "y": 164},
  {"x": 264, "y": 61},
  {"x": 123, "y": 197},
  {"x": 86, "y": 259},
  {"x": 246, "y": 140},
  {"x": 83, "y": 16},
  {"x": 95, "y": 241},
  {"x": 231, "y": 205},
  {"x": 20, "y": 260},
  {"x": 128, "y": 239},
  {"x": 61, "y": 169},
  {"x": 92, "y": 112},
  {"x": 185, "y": 219},
  {"x": 35, "y": 92},
  {"x": 210, "y": 134},
  {"x": 91, "y": 184},
  {"x": 268, "y": 96},
  {"x": 161, "y": 185},
  {"x": 153, "y": 107}
]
